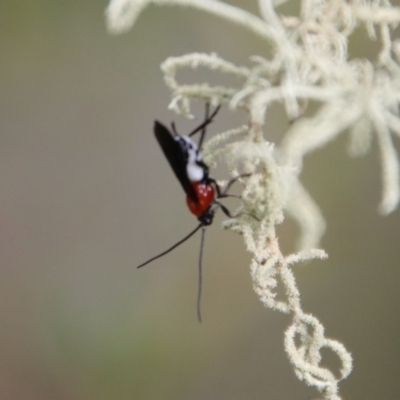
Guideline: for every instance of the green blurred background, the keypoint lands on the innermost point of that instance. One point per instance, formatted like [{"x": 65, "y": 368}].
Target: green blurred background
[{"x": 86, "y": 195}]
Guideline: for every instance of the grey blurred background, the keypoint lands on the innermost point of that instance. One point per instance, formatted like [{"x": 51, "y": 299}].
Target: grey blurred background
[{"x": 85, "y": 195}]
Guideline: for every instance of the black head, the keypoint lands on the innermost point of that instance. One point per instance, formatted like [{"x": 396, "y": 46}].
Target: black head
[{"x": 207, "y": 218}]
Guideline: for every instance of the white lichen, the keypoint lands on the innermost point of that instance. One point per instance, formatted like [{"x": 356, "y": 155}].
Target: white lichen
[{"x": 309, "y": 63}]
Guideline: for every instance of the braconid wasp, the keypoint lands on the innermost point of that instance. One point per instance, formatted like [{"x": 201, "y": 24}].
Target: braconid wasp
[{"x": 186, "y": 160}]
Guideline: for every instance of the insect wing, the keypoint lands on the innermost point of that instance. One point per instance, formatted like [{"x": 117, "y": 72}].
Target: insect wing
[{"x": 176, "y": 157}]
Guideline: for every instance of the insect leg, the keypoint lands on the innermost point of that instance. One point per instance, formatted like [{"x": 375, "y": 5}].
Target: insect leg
[
  {"x": 173, "y": 126},
  {"x": 206, "y": 122},
  {"x": 225, "y": 210},
  {"x": 203, "y": 131},
  {"x": 224, "y": 193},
  {"x": 229, "y": 215},
  {"x": 231, "y": 182}
]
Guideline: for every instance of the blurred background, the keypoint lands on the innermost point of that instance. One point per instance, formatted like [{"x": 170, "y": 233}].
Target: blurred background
[{"x": 86, "y": 195}]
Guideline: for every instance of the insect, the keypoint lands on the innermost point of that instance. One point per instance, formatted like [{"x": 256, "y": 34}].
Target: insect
[{"x": 202, "y": 191}]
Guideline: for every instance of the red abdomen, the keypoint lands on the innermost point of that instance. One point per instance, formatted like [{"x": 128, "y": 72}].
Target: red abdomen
[{"x": 205, "y": 194}]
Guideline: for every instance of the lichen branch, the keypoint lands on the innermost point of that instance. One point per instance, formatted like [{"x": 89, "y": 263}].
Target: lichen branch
[{"x": 309, "y": 64}]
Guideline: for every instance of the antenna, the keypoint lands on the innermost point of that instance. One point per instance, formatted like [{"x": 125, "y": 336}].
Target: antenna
[
  {"x": 171, "y": 248},
  {"x": 200, "y": 287}
]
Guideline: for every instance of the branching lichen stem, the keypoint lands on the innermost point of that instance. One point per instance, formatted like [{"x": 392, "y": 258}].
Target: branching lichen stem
[{"x": 309, "y": 64}]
